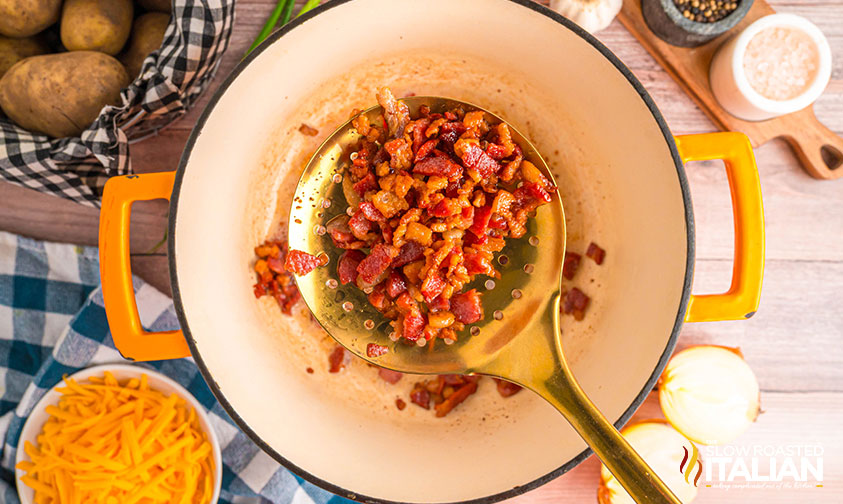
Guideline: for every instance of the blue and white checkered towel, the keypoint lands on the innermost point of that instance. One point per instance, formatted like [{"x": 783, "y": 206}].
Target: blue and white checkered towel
[{"x": 52, "y": 323}]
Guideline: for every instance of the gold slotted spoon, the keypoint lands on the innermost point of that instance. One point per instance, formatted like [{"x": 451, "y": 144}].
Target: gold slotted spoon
[{"x": 517, "y": 340}]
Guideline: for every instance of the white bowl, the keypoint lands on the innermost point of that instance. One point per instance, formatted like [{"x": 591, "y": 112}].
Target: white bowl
[
  {"x": 732, "y": 89},
  {"x": 157, "y": 381}
]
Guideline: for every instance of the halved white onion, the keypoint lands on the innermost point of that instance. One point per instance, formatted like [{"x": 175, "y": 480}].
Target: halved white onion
[
  {"x": 709, "y": 394},
  {"x": 663, "y": 448}
]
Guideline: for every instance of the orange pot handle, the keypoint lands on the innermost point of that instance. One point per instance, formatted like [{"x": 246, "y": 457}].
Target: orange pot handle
[
  {"x": 741, "y": 300},
  {"x": 130, "y": 338}
]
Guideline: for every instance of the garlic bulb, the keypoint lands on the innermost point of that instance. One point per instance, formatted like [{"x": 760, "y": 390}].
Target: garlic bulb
[
  {"x": 592, "y": 15},
  {"x": 709, "y": 394},
  {"x": 663, "y": 449}
]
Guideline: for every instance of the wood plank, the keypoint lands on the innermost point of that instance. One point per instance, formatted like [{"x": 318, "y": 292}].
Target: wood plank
[{"x": 788, "y": 419}]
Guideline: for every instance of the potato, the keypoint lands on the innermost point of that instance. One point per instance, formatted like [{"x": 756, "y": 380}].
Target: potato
[
  {"x": 24, "y": 18},
  {"x": 96, "y": 25},
  {"x": 157, "y": 5},
  {"x": 13, "y": 50},
  {"x": 147, "y": 35},
  {"x": 61, "y": 94}
]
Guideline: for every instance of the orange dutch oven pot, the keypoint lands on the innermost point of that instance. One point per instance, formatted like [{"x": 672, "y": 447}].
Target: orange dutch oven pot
[{"x": 621, "y": 176}]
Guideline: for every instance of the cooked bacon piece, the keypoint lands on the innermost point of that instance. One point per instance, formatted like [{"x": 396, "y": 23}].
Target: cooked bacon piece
[
  {"x": 419, "y": 127},
  {"x": 459, "y": 395},
  {"x": 425, "y": 149},
  {"x": 370, "y": 212},
  {"x": 505, "y": 140},
  {"x": 432, "y": 286},
  {"x": 378, "y": 299},
  {"x": 409, "y": 252},
  {"x": 336, "y": 359},
  {"x": 497, "y": 222},
  {"x": 475, "y": 120},
  {"x": 396, "y": 284},
  {"x": 413, "y": 325},
  {"x": 400, "y": 404},
  {"x": 482, "y": 216},
  {"x": 595, "y": 252},
  {"x": 374, "y": 350},
  {"x": 507, "y": 389},
  {"x": 570, "y": 265},
  {"x": 441, "y": 166},
  {"x": 376, "y": 263},
  {"x": 347, "y": 266},
  {"x": 576, "y": 303},
  {"x": 361, "y": 227},
  {"x": 276, "y": 264},
  {"x": 478, "y": 263},
  {"x": 475, "y": 158},
  {"x": 366, "y": 184},
  {"x": 302, "y": 263},
  {"x": 390, "y": 376},
  {"x": 308, "y": 130},
  {"x": 440, "y": 303},
  {"x": 396, "y": 112},
  {"x": 361, "y": 123},
  {"x": 400, "y": 154},
  {"x": 341, "y": 235},
  {"x": 532, "y": 175},
  {"x": 532, "y": 191},
  {"x": 446, "y": 208},
  {"x": 388, "y": 203},
  {"x": 511, "y": 167},
  {"x": 467, "y": 307},
  {"x": 473, "y": 239},
  {"x": 420, "y": 396},
  {"x": 495, "y": 152}
]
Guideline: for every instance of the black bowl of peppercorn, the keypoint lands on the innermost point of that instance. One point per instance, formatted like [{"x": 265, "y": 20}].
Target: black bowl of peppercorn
[{"x": 691, "y": 23}]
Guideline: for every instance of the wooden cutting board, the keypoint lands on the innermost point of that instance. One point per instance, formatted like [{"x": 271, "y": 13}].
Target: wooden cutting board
[{"x": 819, "y": 149}]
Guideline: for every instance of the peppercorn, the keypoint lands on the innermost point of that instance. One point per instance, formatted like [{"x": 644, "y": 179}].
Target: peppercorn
[{"x": 706, "y": 11}]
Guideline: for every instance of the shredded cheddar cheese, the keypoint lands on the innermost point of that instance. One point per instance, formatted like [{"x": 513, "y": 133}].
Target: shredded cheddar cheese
[{"x": 119, "y": 443}]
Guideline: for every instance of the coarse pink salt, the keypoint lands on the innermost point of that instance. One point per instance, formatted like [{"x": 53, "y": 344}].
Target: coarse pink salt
[{"x": 781, "y": 62}]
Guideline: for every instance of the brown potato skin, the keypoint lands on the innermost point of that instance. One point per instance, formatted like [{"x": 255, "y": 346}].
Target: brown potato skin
[
  {"x": 24, "y": 18},
  {"x": 157, "y": 5},
  {"x": 147, "y": 35},
  {"x": 13, "y": 50},
  {"x": 96, "y": 25},
  {"x": 61, "y": 94}
]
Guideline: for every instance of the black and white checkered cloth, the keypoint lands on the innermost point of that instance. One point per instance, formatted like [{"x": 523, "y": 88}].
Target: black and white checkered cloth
[{"x": 171, "y": 80}]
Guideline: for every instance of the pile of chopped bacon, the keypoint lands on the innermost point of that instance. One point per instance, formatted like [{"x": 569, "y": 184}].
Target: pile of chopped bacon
[
  {"x": 431, "y": 199},
  {"x": 273, "y": 277}
]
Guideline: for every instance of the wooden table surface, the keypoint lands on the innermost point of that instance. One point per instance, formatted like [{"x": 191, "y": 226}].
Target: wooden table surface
[{"x": 794, "y": 343}]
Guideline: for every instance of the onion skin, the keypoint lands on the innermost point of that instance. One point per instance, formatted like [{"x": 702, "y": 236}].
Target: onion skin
[{"x": 709, "y": 394}]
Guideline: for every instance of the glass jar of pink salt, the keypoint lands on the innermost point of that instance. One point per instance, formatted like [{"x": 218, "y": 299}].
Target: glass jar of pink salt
[{"x": 777, "y": 65}]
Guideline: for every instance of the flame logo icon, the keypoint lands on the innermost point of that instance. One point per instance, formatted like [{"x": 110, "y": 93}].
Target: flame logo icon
[{"x": 687, "y": 466}]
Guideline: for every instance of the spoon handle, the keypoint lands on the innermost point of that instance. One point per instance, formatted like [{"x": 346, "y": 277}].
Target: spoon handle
[
  {"x": 642, "y": 483},
  {"x": 562, "y": 390}
]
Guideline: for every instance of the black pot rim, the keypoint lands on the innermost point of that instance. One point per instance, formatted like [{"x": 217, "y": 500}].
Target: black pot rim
[{"x": 316, "y": 480}]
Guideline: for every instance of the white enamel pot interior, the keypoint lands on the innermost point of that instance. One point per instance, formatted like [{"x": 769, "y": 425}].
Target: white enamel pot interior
[{"x": 621, "y": 183}]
